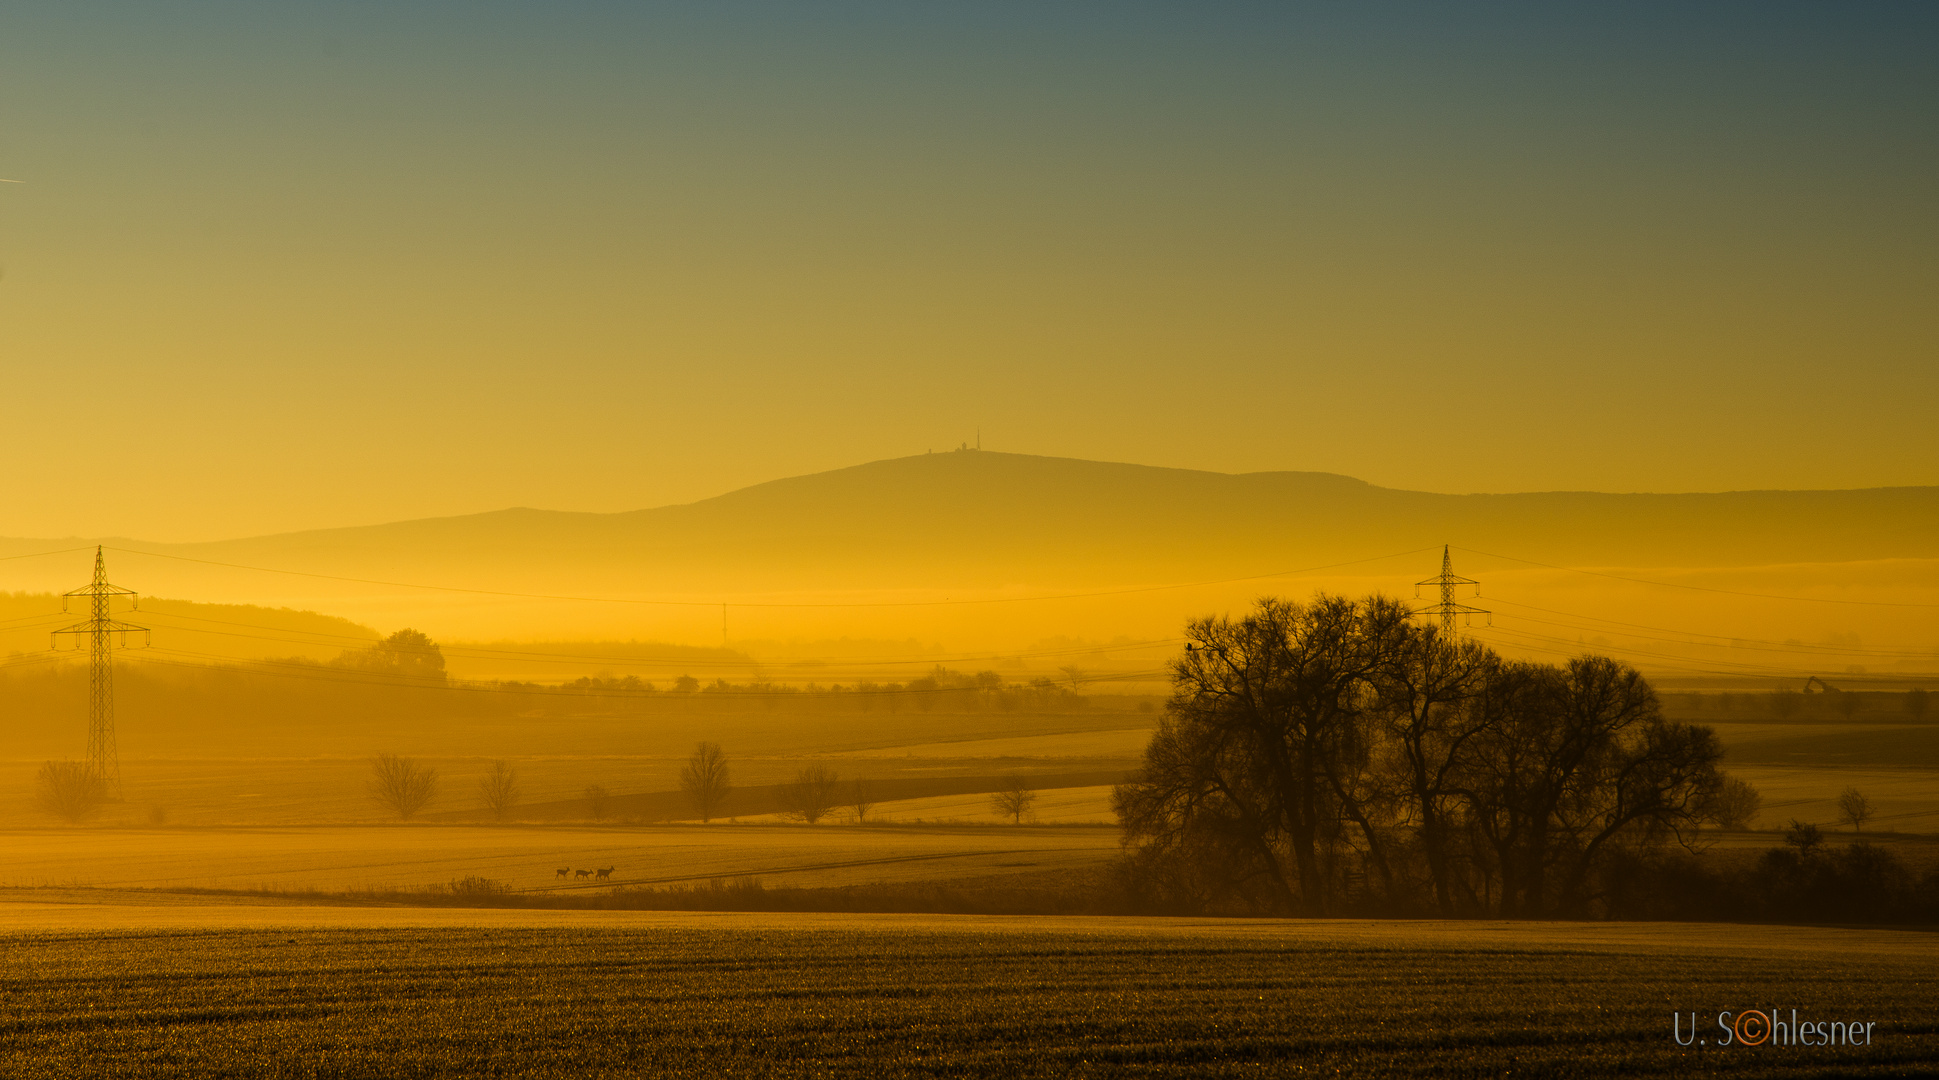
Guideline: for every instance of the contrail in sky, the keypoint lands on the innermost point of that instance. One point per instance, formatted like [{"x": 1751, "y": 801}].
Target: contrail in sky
[{"x": 12, "y": 181}]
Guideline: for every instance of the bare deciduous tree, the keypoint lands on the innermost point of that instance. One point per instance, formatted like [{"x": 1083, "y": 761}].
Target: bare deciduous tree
[
  {"x": 815, "y": 791},
  {"x": 71, "y": 790},
  {"x": 1854, "y": 808},
  {"x": 499, "y": 789},
  {"x": 599, "y": 801},
  {"x": 1737, "y": 804},
  {"x": 1013, "y": 800},
  {"x": 705, "y": 780},
  {"x": 401, "y": 785},
  {"x": 862, "y": 797},
  {"x": 1339, "y": 752}
]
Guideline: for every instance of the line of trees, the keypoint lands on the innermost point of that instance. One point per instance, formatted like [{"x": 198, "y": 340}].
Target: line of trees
[
  {"x": 1338, "y": 755},
  {"x": 283, "y": 700},
  {"x": 940, "y": 688},
  {"x": 1804, "y": 879}
]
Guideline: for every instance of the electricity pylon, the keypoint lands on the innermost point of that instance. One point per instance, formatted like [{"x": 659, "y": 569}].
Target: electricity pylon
[
  {"x": 1447, "y": 608},
  {"x": 103, "y": 757}
]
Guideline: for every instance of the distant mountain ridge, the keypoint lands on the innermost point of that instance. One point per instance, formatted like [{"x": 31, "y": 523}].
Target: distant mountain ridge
[{"x": 982, "y": 519}]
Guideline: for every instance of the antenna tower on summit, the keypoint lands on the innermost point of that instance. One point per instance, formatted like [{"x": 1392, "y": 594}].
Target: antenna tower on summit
[
  {"x": 99, "y": 629},
  {"x": 1447, "y": 608}
]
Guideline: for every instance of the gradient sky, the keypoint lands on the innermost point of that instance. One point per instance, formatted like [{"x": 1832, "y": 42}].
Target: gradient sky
[{"x": 297, "y": 265}]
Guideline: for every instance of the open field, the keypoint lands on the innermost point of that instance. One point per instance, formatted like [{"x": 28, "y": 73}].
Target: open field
[
  {"x": 1905, "y": 800},
  {"x": 1117, "y": 744},
  {"x": 1855, "y": 745},
  {"x": 1055, "y": 806},
  {"x": 338, "y": 858},
  {"x": 279, "y": 990},
  {"x": 1800, "y": 768},
  {"x": 277, "y": 778}
]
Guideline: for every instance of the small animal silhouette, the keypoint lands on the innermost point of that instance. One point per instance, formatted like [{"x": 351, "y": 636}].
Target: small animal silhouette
[
  {"x": 604, "y": 874},
  {"x": 583, "y": 873},
  {"x": 563, "y": 871}
]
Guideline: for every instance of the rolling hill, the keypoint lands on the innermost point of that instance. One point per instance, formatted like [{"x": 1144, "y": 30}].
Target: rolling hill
[
  {"x": 979, "y": 525},
  {"x": 979, "y": 519}
]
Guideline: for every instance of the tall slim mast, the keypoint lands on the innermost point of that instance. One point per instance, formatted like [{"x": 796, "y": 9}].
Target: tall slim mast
[
  {"x": 103, "y": 756},
  {"x": 1447, "y": 608}
]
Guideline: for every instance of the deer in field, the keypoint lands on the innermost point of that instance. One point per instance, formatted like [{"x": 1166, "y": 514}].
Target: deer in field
[
  {"x": 563, "y": 871},
  {"x": 583, "y": 873},
  {"x": 604, "y": 874}
]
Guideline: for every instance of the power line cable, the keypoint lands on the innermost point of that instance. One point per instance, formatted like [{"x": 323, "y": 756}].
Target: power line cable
[
  {"x": 1685, "y": 663},
  {"x": 1757, "y": 647},
  {"x": 40, "y": 554},
  {"x": 1732, "y": 639},
  {"x": 1700, "y": 588}
]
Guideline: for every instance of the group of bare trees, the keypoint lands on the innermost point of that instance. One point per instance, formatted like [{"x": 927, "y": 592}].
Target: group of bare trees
[
  {"x": 818, "y": 791},
  {"x": 405, "y": 786},
  {"x": 1337, "y": 753}
]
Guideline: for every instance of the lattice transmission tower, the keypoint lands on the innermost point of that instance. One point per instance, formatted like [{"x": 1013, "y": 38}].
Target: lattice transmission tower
[
  {"x": 1447, "y": 608},
  {"x": 99, "y": 629}
]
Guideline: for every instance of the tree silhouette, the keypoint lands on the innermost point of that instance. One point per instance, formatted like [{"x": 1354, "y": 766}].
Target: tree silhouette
[
  {"x": 70, "y": 790},
  {"x": 1736, "y": 804},
  {"x": 862, "y": 798},
  {"x": 599, "y": 801},
  {"x": 1854, "y": 808},
  {"x": 499, "y": 789},
  {"x": 705, "y": 780},
  {"x": 815, "y": 791},
  {"x": 401, "y": 785},
  {"x": 1013, "y": 799},
  {"x": 409, "y": 654}
]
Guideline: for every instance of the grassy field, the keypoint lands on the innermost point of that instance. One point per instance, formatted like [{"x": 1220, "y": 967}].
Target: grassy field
[
  {"x": 338, "y": 858},
  {"x": 277, "y": 781},
  {"x": 1905, "y": 800},
  {"x": 1859, "y": 745},
  {"x": 1800, "y": 768},
  {"x": 1056, "y": 806},
  {"x": 282, "y": 991}
]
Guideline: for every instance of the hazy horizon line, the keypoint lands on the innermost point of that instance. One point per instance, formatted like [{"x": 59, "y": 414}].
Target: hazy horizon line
[{"x": 110, "y": 537}]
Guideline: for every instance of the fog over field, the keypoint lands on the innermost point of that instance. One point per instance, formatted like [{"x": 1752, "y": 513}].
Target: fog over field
[
  {"x": 871, "y": 540},
  {"x": 968, "y": 551}
]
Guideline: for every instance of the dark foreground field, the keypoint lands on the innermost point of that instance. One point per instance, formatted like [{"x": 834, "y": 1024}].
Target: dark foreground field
[{"x": 557, "y": 994}]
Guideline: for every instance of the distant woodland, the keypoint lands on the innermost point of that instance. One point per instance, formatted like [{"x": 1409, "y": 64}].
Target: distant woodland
[{"x": 401, "y": 682}]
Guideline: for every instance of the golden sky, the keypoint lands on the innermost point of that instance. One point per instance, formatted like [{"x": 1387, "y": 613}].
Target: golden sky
[{"x": 293, "y": 266}]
